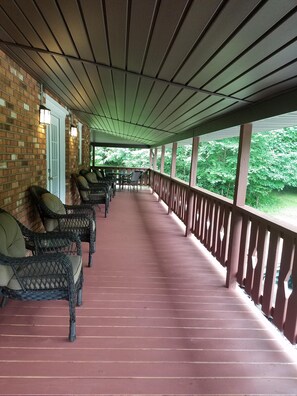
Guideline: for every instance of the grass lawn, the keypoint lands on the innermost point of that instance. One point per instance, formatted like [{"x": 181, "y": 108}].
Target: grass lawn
[
  {"x": 279, "y": 201},
  {"x": 282, "y": 205}
]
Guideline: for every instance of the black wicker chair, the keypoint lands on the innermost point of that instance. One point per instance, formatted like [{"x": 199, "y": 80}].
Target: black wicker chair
[
  {"x": 53, "y": 272},
  {"x": 56, "y": 216},
  {"x": 90, "y": 194},
  {"x": 97, "y": 185},
  {"x": 102, "y": 178}
]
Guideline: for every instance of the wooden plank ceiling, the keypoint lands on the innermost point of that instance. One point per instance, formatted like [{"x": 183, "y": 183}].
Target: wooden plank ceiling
[{"x": 155, "y": 71}]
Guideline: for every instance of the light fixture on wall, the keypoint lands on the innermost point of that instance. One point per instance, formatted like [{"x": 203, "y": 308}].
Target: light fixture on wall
[
  {"x": 73, "y": 128},
  {"x": 44, "y": 112},
  {"x": 73, "y": 131},
  {"x": 44, "y": 115}
]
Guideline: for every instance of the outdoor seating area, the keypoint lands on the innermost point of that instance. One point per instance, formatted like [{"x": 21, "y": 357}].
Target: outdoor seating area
[{"x": 155, "y": 319}]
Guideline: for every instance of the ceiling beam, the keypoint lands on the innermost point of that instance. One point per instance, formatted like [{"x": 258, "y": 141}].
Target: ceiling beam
[{"x": 127, "y": 72}]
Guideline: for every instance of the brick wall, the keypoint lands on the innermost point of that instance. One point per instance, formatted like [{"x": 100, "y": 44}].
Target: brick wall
[{"x": 23, "y": 143}]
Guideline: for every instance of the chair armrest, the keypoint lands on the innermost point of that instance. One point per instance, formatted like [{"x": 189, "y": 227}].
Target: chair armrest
[
  {"x": 54, "y": 242},
  {"x": 81, "y": 210},
  {"x": 39, "y": 242},
  {"x": 99, "y": 189},
  {"x": 43, "y": 272}
]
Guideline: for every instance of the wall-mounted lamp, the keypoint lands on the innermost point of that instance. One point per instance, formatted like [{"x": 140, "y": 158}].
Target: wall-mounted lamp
[
  {"x": 44, "y": 113},
  {"x": 73, "y": 130}
]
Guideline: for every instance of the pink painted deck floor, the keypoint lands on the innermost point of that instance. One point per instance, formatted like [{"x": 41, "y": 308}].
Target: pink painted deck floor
[{"x": 156, "y": 320}]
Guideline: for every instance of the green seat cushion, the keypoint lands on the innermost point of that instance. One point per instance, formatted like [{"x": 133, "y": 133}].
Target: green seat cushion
[
  {"x": 55, "y": 205},
  {"x": 91, "y": 177},
  {"x": 12, "y": 244}
]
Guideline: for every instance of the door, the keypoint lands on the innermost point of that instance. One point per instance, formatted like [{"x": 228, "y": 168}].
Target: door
[
  {"x": 53, "y": 156},
  {"x": 55, "y": 149}
]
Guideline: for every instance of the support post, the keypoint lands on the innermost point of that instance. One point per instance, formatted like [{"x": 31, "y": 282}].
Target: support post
[
  {"x": 239, "y": 200},
  {"x": 155, "y": 159},
  {"x": 151, "y": 158},
  {"x": 162, "y": 159},
  {"x": 192, "y": 183},
  {"x": 93, "y": 156},
  {"x": 162, "y": 171},
  {"x": 172, "y": 174}
]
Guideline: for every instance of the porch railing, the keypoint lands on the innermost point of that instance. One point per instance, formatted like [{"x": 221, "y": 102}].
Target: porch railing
[{"x": 267, "y": 258}]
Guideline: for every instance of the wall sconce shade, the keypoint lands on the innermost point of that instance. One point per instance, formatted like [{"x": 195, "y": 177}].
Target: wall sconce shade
[
  {"x": 44, "y": 115},
  {"x": 73, "y": 131}
]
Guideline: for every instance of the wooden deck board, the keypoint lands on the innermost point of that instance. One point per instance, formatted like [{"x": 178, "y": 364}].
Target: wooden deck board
[{"x": 156, "y": 319}]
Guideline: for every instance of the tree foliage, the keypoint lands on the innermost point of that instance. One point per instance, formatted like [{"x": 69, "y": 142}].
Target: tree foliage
[
  {"x": 126, "y": 157},
  {"x": 272, "y": 166}
]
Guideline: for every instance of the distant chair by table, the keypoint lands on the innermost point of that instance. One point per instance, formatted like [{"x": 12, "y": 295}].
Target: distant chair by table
[
  {"x": 90, "y": 194},
  {"x": 135, "y": 179},
  {"x": 96, "y": 184},
  {"x": 103, "y": 178},
  {"x": 132, "y": 179},
  {"x": 53, "y": 272},
  {"x": 56, "y": 216}
]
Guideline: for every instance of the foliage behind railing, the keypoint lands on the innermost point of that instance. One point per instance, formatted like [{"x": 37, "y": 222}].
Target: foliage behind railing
[{"x": 267, "y": 251}]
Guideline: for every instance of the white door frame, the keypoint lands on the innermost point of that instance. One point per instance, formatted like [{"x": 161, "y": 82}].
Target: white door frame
[{"x": 60, "y": 112}]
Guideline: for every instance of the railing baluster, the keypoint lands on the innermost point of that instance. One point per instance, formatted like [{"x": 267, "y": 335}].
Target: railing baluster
[
  {"x": 224, "y": 253},
  {"x": 270, "y": 275},
  {"x": 243, "y": 250},
  {"x": 252, "y": 258},
  {"x": 220, "y": 233},
  {"x": 282, "y": 286},
  {"x": 261, "y": 264},
  {"x": 290, "y": 326},
  {"x": 215, "y": 229}
]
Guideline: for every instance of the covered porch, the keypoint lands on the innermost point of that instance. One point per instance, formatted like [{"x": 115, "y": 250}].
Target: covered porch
[{"x": 156, "y": 319}]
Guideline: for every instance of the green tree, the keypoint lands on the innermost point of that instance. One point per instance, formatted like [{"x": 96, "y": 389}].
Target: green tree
[
  {"x": 122, "y": 157},
  {"x": 217, "y": 166},
  {"x": 273, "y": 164}
]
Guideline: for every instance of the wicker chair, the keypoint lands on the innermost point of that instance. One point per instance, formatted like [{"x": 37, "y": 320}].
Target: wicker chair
[
  {"x": 102, "y": 178},
  {"x": 90, "y": 194},
  {"x": 98, "y": 185},
  {"x": 132, "y": 179},
  {"x": 53, "y": 272},
  {"x": 135, "y": 178},
  {"x": 56, "y": 216}
]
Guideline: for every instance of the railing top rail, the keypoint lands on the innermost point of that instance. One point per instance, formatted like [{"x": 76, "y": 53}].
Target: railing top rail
[
  {"x": 202, "y": 191},
  {"x": 271, "y": 222}
]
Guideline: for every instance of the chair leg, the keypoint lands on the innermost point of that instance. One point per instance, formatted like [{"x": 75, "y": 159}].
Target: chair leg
[
  {"x": 79, "y": 298},
  {"x": 72, "y": 318},
  {"x": 4, "y": 302},
  {"x": 90, "y": 260},
  {"x": 72, "y": 331}
]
